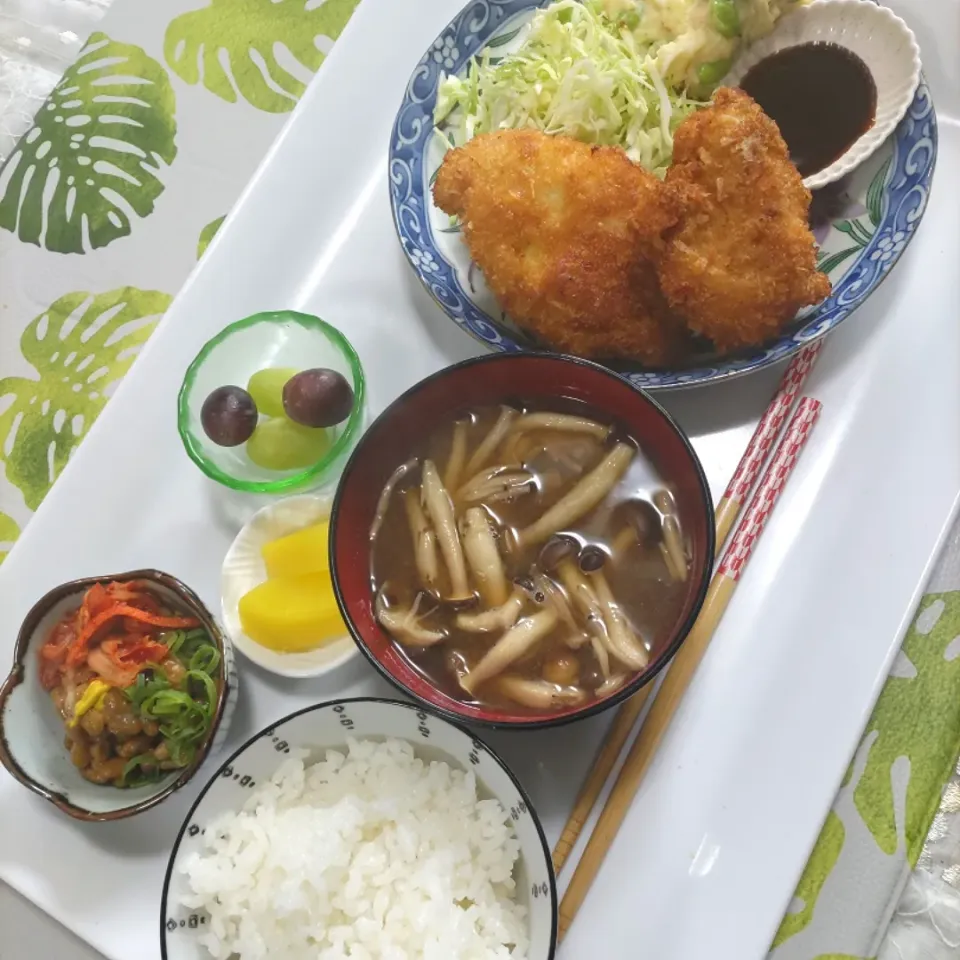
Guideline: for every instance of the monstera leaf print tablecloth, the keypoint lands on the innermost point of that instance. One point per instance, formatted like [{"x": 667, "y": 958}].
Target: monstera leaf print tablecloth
[{"x": 124, "y": 153}]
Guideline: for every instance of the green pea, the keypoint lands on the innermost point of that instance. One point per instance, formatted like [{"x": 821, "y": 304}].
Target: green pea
[
  {"x": 630, "y": 19},
  {"x": 725, "y": 17},
  {"x": 710, "y": 74}
]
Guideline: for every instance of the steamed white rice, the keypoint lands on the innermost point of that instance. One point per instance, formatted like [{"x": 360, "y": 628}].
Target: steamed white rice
[{"x": 372, "y": 855}]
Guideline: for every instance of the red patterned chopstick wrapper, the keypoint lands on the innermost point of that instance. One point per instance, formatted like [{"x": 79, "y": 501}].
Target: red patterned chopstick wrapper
[
  {"x": 771, "y": 486},
  {"x": 769, "y": 426}
]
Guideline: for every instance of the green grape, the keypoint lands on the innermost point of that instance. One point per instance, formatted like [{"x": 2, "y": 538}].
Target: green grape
[
  {"x": 278, "y": 444},
  {"x": 266, "y": 388}
]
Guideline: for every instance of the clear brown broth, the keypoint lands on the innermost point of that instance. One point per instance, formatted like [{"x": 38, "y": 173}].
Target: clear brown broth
[{"x": 638, "y": 575}]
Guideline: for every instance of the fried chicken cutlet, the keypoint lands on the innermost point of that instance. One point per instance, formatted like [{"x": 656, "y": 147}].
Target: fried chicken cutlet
[
  {"x": 743, "y": 261},
  {"x": 565, "y": 234}
]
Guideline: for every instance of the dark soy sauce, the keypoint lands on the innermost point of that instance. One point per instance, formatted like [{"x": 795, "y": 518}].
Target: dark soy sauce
[{"x": 822, "y": 97}]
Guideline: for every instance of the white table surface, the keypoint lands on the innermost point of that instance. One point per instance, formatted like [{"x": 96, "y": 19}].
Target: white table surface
[{"x": 26, "y": 933}]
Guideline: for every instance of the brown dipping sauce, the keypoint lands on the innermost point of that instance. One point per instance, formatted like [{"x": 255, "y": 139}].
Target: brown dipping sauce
[{"x": 822, "y": 97}]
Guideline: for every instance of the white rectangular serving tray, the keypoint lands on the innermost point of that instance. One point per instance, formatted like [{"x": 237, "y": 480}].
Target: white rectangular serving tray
[{"x": 708, "y": 858}]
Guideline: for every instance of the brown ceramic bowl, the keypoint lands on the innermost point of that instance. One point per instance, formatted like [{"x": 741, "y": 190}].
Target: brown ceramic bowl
[
  {"x": 32, "y": 732},
  {"x": 487, "y": 381}
]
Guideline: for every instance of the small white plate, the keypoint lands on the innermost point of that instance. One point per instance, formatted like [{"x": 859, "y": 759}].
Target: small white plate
[
  {"x": 244, "y": 569},
  {"x": 878, "y": 37}
]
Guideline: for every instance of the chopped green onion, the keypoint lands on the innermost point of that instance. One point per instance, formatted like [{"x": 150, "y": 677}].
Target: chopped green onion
[
  {"x": 141, "y": 770},
  {"x": 205, "y": 659},
  {"x": 184, "y": 715}
]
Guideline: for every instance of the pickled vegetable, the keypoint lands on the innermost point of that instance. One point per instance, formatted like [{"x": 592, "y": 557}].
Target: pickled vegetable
[
  {"x": 266, "y": 388},
  {"x": 304, "y": 551},
  {"x": 278, "y": 444},
  {"x": 229, "y": 416},
  {"x": 318, "y": 398},
  {"x": 292, "y": 614}
]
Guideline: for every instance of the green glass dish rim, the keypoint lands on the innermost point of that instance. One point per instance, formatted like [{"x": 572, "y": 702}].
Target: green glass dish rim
[{"x": 194, "y": 446}]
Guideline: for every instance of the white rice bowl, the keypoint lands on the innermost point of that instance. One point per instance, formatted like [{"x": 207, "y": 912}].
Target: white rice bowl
[{"x": 369, "y": 853}]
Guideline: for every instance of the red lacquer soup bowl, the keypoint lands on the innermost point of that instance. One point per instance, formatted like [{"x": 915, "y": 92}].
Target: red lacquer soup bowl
[{"x": 537, "y": 380}]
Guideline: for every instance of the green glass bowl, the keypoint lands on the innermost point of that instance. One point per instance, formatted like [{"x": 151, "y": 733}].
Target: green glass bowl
[{"x": 281, "y": 339}]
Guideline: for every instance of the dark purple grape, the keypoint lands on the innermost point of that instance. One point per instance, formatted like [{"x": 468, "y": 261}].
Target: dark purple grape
[
  {"x": 229, "y": 416},
  {"x": 317, "y": 398}
]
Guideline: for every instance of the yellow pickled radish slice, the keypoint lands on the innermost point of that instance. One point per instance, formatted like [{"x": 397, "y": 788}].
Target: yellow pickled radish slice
[
  {"x": 292, "y": 614},
  {"x": 304, "y": 551}
]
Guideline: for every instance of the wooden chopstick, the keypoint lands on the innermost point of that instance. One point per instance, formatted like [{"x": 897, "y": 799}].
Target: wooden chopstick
[
  {"x": 685, "y": 663},
  {"x": 731, "y": 503},
  {"x": 744, "y": 477},
  {"x": 593, "y": 785}
]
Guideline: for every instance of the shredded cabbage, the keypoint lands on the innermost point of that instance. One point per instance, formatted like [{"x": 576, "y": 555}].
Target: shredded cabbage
[{"x": 609, "y": 72}]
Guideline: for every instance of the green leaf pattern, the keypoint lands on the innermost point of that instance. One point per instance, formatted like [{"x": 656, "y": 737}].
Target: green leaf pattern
[
  {"x": 875, "y": 193},
  {"x": 231, "y": 47},
  {"x": 860, "y": 229},
  {"x": 93, "y": 160},
  {"x": 9, "y": 531},
  {"x": 207, "y": 234},
  {"x": 822, "y": 861},
  {"x": 80, "y": 347},
  {"x": 892, "y": 788},
  {"x": 916, "y": 717},
  {"x": 94, "y": 163}
]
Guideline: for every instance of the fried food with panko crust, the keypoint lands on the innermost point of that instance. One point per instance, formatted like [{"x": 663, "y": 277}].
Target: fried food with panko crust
[
  {"x": 743, "y": 261},
  {"x": 565, "y": 235}
]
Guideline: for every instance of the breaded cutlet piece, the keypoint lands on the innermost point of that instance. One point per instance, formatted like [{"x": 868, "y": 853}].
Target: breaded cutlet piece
[
  {"x": 742, "y": 261},
  {"x": 565, "y": 235}
]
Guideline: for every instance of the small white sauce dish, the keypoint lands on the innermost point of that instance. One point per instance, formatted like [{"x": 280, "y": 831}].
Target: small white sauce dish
[
  {"x": 244, "y": 569},
  {"x": 878, "y": 37},
  {"x": 185, "y": 933}
]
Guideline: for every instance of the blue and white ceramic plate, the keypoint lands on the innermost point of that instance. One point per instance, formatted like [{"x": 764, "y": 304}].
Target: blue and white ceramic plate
[{"x": 866, "y": 225}]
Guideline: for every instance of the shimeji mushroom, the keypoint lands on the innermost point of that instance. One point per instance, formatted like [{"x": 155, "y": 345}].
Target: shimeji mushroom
[
  {"x": 496, "y": 484},
  {"x": 483, "y": 556},
  {"x": 386, "y": 494},
  {"x": 517, "y": 641},
  {"x": 638, "y": 521},
  {"x": 624, "y": 642},
  {"x": 554, "y": 597},
  {"x": 458, "y": 455},
  {"x": 610, "y": 685},
  {"x": 405, "y": 623},
  {"x": 499, "y": 618},
  {"x": 488, "y": 446},
  {"x": 424, "y": 542},
  {"x": 439, "y": 507},
  {"x": 561, "y": 422},
  {"x": 674, "y": 553},
  {"x": 605, "y": 619},
  {"x": 582, "y": 498},
  {"x": 539, "y": 694}
]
